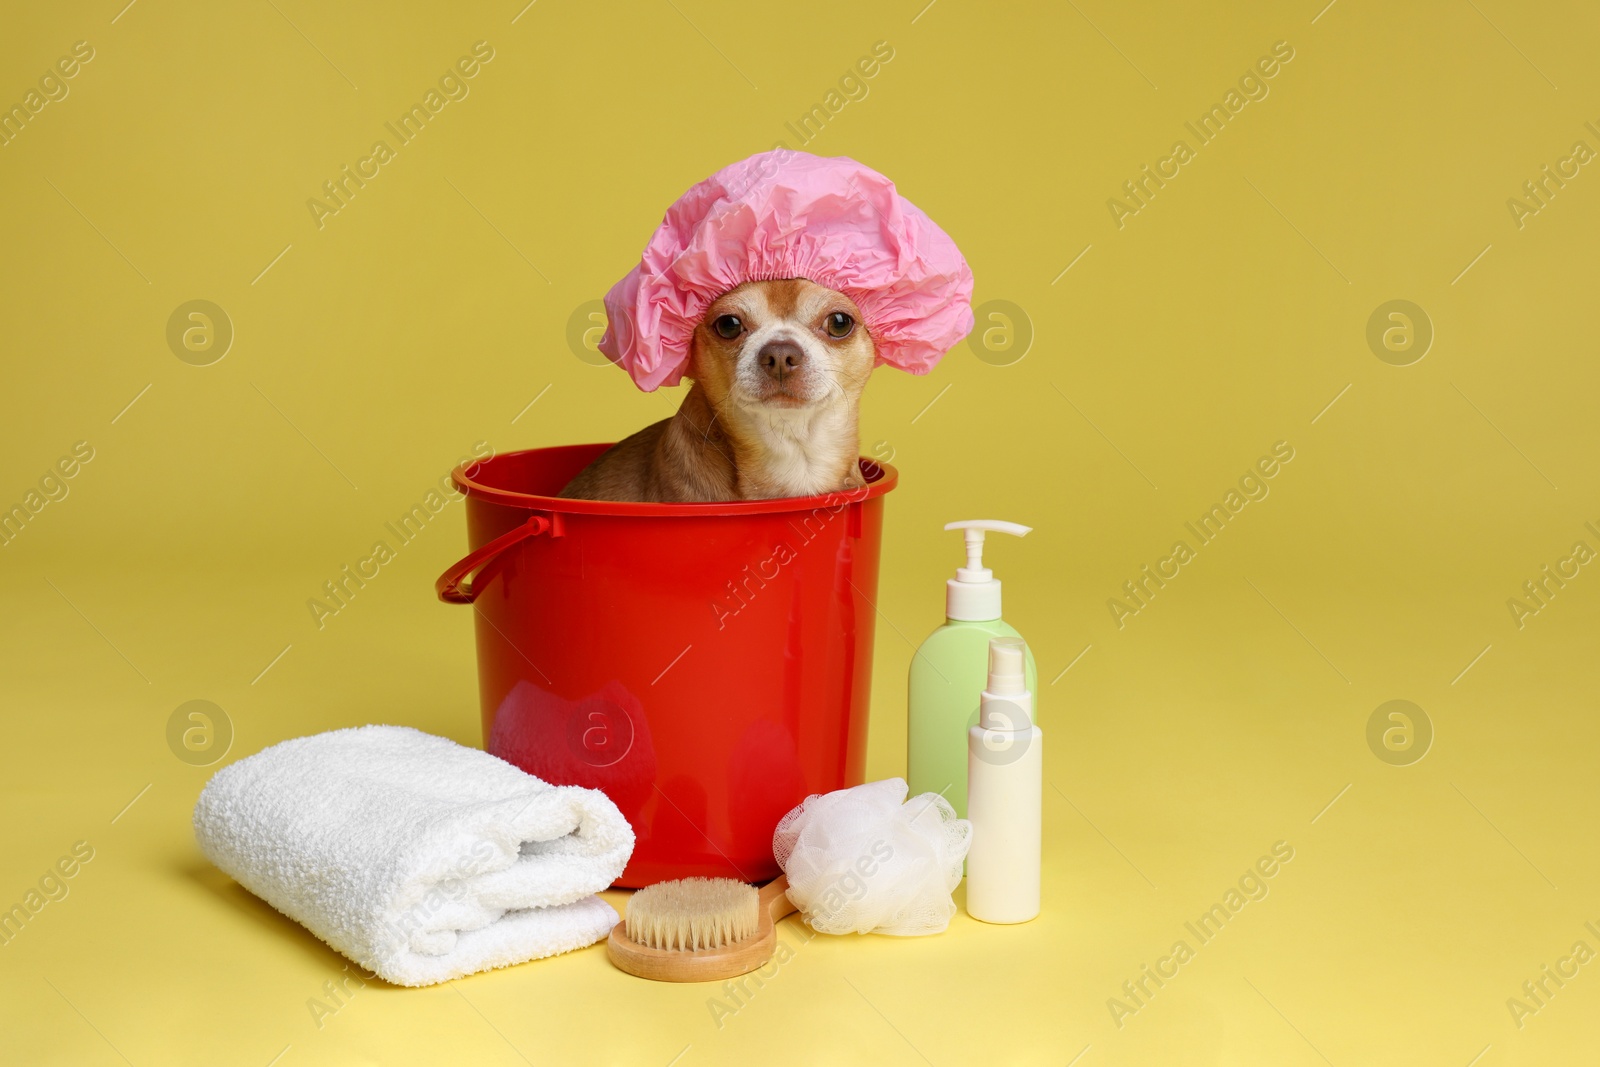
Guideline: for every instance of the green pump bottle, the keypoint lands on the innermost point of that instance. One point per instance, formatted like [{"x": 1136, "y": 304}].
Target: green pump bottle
[{"x": 950, "y": 669}]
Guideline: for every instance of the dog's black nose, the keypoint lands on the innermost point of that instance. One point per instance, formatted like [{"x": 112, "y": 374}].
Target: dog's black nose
[{"x": 781, "y": 358}]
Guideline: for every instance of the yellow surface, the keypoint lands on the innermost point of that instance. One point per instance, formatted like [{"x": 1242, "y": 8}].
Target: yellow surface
[{"x": 1229, "y": 313}]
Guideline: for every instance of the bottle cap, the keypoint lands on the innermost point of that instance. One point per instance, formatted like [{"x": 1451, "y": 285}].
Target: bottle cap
[
  {"x": 1005, "y": 665},
  {"x": 973, "y": 595},
  {"x": 1006, "y": 703}
]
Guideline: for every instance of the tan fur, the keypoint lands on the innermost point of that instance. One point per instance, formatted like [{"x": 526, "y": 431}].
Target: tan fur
[{"x": 740, "y": 434}]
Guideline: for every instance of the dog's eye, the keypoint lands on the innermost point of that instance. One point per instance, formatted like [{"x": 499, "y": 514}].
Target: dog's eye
[
  {"x": 840, "y": 325},
  {"x": 728, "y": 327}
]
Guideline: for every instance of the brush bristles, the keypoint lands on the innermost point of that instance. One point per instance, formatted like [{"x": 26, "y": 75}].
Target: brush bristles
[{"x": 692, "y": 914}]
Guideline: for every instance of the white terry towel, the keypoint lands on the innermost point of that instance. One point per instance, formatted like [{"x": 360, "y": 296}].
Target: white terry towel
[{"x": 417, "y": 858}]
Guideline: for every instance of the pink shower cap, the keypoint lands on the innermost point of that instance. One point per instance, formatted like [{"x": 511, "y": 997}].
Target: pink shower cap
[{"x": 785, "y": 214}]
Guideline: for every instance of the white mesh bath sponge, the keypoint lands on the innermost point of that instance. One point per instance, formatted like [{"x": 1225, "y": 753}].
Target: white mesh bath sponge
[{"x": 866, "y": 860}]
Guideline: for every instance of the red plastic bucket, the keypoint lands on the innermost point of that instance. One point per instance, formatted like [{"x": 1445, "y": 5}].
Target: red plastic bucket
[{"x": 707, "y": 666}]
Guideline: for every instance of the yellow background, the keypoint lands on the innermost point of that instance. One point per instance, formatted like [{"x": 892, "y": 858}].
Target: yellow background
[{"x": 1225, "y": 316}]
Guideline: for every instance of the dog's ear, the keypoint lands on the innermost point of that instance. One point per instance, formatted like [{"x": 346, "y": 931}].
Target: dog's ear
[{"x": 691, "y": 369}]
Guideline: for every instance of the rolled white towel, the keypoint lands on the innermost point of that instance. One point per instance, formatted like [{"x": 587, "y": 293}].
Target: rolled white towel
[{"x": 415, "y": 857}]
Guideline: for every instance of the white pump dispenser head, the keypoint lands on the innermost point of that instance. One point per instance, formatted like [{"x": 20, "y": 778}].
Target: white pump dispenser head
[{"x": 973, "y": 595}]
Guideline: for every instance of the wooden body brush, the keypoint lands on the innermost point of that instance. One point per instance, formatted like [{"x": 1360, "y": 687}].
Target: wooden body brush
[{"x": 699, "y": 929}]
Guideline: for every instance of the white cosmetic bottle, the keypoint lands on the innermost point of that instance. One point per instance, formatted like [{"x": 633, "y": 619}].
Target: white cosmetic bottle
[{"x": 1005, "y": 777}]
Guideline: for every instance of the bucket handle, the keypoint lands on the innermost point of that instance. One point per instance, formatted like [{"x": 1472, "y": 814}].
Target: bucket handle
[{"x": 452, "y": 587}]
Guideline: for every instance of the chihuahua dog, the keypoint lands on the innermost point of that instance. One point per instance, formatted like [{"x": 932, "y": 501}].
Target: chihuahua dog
[{"x": 778, "y": 369}]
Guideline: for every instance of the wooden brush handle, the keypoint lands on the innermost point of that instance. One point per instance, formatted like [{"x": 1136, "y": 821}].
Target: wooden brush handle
[{"x": 775, "y": 899}]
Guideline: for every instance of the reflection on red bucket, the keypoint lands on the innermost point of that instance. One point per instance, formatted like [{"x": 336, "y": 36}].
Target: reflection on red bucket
[{"x": 707, "y": 666}]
